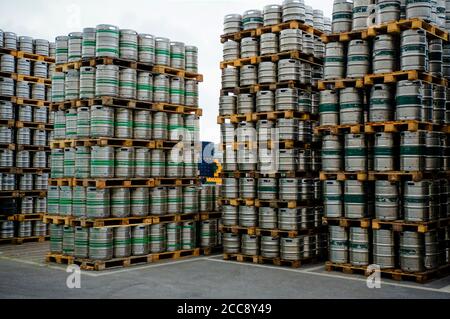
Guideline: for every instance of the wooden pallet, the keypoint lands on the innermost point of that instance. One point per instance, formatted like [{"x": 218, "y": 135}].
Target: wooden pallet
[
  {"x": 239, "y": 174},
  {"x": 58, "y": 220},
  {"x": 61, "y": 181},
  {"x": 394, "y": 27},
  {"x": 8, "y": 146},
  {"x": 26, "y": 78},
  {"x": 115, "y": 182},
  {"x": 210, "y": 215},
  {"x": 395, "y": 274},
  {"x": 401, "y": 225},
  {"x": 288, "y": 233},
  {"x": 252, "y": 89},
  {"x": 340, "y": 84},
  {"x": 8, "y": 123},
  {"x": 175, "y": 218},
  {"x": 207, "y": 251},
  {"x": 22, "y": 101},
  {"x": 105, "y": 222},
  {"x": 411, "y": 75},
  {"x": 26, "y": 217},
  {"x": 240, "y": 258},
  {"x": 272, "y": 29},
  {"x": 279, "y": 203},
  {"x": 115, "y": 142},
  {"x": 31, "y": 148},
  {"x": 19, "y": 193},
  {"x": 283, "y": 262},
  {"x": 59, "y": 259},
  {"x": 140, "y": 66},
  {"x": 169, "y": 181},
  {"x": 340, "y": 129},
  {"x": 287, "y": 174},
  {"x": 396, "y": 176},
  {"x": 236, "y": 201},
  {"x": 250, "y": 145},
  {"x": 22, "y": 240},
  {"x": 26, "y": 55},
  {"x": 400, "y": 126},
  {"x": 347, "y": 222},
  {"x": 35, "y": 125},
  {"x": 343, "y": 176},
  {"x": 237, "y": 230}
]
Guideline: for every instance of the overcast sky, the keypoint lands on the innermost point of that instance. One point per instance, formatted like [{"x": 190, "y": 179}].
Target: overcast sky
[{"x": 195, "y": 22}]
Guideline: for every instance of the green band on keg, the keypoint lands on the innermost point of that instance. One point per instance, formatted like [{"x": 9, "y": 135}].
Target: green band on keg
[
  {"x": 422, "y": 48},
  {"x": 342, "y": 15},
  {"x": 380, "y": 101},
  {"x": 408, "y": 252},
  {"x": 162, "y": 164},
  {"x": 124, "y": 44},
  {"x": 350, "y": 106},
  {"x": 412, "y": 150},
  {"x": 356, "y": 58},
  {"x": 89, "y": 43},
  {"x": 175, "y": 91},
  {"x": 162, "y": 89},
  {"x": 127, "y": 84},
  {"x": 122, "y": 241},
  {"x": 341, "y": 243},
  {"x": 110, "y": 50},
  {"x": 100, "y": 122},
  {"x": 252, "y": 19},
  {"x": 359, "y": 246},
  {"x": 145, "y": 87},
  {"x": 383, "y": 151},
  {"x": 384, "y": 53},
  {"x": 177, "y": 55},
  {"x": 355, "y": 152},
  {"x": 330, "y": 152},
  {"x": 360, "y": 9},
  {"x": 395, "y": 5},
  {"x": 333, "y": 59},
  {"x": 384, "y": 199},
  {"x": 162, "y": 52},
  {"x": 142, "y": 163},
  {"x": 333, "y": 197},
  {"x": 146, "y": 48},
  {"x": 124, "y": 123},
  {"x": 140, "y": 201},
  {"x": 100, "y": 245},
  {"x": 106, "y": 81},
  {"x": 60, "y": 50},
  {"x": 194, "y": 94},
  {"x": 328, "y": 107},
  {"x": 95, "y": 162},
  {"x": 349, "y": 198},
  {"x": 81, "y": 242},
  {"x": 411, "y": 99},
  {"x": 416, "y": 200}
]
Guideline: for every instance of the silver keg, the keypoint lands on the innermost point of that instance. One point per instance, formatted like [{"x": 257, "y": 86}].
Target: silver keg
[
  {"x": 232, "y": 23},
  {"x": 144, "y": 89},
  {"x": 158, "y": 201},
  {"x": 160, "y": 126},
  {"x": 383, "y": 152},
  {"x": 359, "y": 246},
  {"x": 62, "y": 49},
  {"x": 81, "y": 242},
  {"x": 139, "y": 240},
  {"x": 140, "y": 201},
  {"x": 127, "y": 83},
  {"x": 230, "y": 78},
  {"x": 412, "y": 151},
  {"x": 358, "y": 61},
  {"x": 107, "y": 41},
  {"x": 267, "y": 188},
  {"x": 248, "y": 216},
  {"x": 177, "y": 91},
  {"x": 102, "y": 121},
  {"x": 227, "y": 105},
  {"x": 334, "y": 62},
  {"x": 290, "y": 40},
  {"x": 128, "y": 44},
  {"x": 188, "y": 235},
  {"x": 267, "y": 218},
  {"x": 107, "y": 80},
  {"x": 101, "y": 243},
  {"x": 267, "y": 73},
  {"x": 414, "y": 50},
  {"x": 268, "y": 43},
  {"x": 120, "y": 202},
  {"x": 381, "y": 101},
  {"x": 333, "y": 199},
  {"x": 74, "y": 44},
  {"x": 342, "y": 16},
  {"x": 102, "y": 162},
  {"x": 355, "y": 199},
  {"x": 289, "y": 188},
  {"x": 355, "y": 155},
  {"x": 79, "y": 201},
  {"x": 289, "y": 218},
  {"x": 146, "y": 48},
  {"x": 250, "y": 245},
  {"x": 231, "y": 50},
  {"x": 288, "y": 70},
  {"x": 286, "y": 99},
  {"x": 384, "y": 248},
  {"x": 89, "y": 43},
  {"x": 412, "y": 251},
  {"x": 231, "y": 243},
  {"x": 161, "y": 88},
  {"x": 351, "y": 106},
  {"x": 416, "y": 201},
  {"x": 249, "y": 47},
  {"x": 252, "y": 19},
  {"x": 338, "y": 244},
  {"x": 162, "y": 51},
  {"x": 331, "y": 153},
  {"x": 270, "y": 246},
  {"x": 122, "y": 241},
  {"x": 294, "y": 10}
]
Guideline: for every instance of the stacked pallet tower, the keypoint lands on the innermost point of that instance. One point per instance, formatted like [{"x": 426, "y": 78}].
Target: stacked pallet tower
[
  {"x": 124, "y": 187},
  {"x": 25, "y": 68},
  {"x": 384, "y": 113},
  {"x": 270, "y": 198}
]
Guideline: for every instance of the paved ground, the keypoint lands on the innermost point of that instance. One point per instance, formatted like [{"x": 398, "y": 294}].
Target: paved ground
[{"x": 24, "y": 274}]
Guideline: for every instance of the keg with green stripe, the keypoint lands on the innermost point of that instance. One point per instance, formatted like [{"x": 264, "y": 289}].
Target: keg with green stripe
[
  {"x": 142, "y": 128},
  {"x": 53, "y": 200},
  {"x": 101, "y": 243},
  {"x": 359, "y": 246},
  {"x": 354, "y": 199},
  {"x": 162, "y": 51},
  {"x": 74, "y": 46},
  {"x": 190, "y": 199},
  {"x": 139, "y": 240},
  {"x": 414, "y": 50},
  {"x": 158, "y": 201},
  {"x": 58, "y": 87},
  {"x": 329, "y": 107},
  {"x": 422, "y": 9},
  {"x": 102, "y": 121},
  {"x": 107, "y": 41},
  {"x": 123, "y": 125},
  {"x": 140, "y": 201},
  {"x": 342, "y": 16},
  {"x": 333, "y": 199},
  {"x": 432, "y": 151},
  {"x": 88, "y": 43},
  {"x": 381, "y": 101},
  {"x": 416, "y": 201},
  {"x": 412, "y": 251},
  {"x": 432, "y": 251},
  {"x": 68, "y": 245},
  {"x": 252, "y": 19},
  {"x": 177, "y": 55},
  {"x": 355, "y": 153},
  {"x": 338, "y": 244},
  {"x": 65, "y": 200},
  {"x": 334, "y": 62},
  {"x": 158, "y": 163},
  {"x": 412, "y": 151},
  {"x": 358, "y": 61},
  {"x": 71, "y": 123},
  {"x": 188, "y": 235},
  {"x": 144, "y": 90},
  {"x": 157, "y": 238},
  {"x": 439, "y": 104},
  {"x": 62, "y": 49},
  {"x": 386, "y": 200},
  {"x": 267, "y": 188},
  {"x": 387, "y": 11},
  {"x": 69, "y": 162},
  {"x": 173, "y": 234},
  {"x": 72, "y": 85},
  {"x": 362, "y": 9},
  {"x": 81, "y": 242},
  {"x": 191, "y": 98},
  {"x": 127, "y": 83},
  {"x": 209, "y": 233},
  {"x": 409, "y": 100},
  {"x": 107, "y": 80},
  {"x": 56, "y": 238},
  {"x": 128, "y": 44},
  {"x": 97, "y": 203},
  {"x": 124, "y": 162},
  {"x": 161, "y": 88},
  {"x": 176, "y": 127},
  {"x": 120, "y": 202},
  {"x": 206, "y": 198},
  {"x": 331, "y": 153},
  {"x": 174, "y": 200},
  {"x": 177, "y": 91},
  {"x": 102, "y": 162},
  {"x": 146, "y": 48},
  {"x": 384, "y": 248},
  {"x": 435, "y": 57},
  {"x": 142, "y": 163},
  {"x": 57, "y": 163},
  {"x": 122, "y": 241},
  {"x": 190, "y": 163},
  {"x": 175, "y": 165},
  {"x": 83, "y": 122},
  {"x": 351, "y": 106},
  {"x": 79, "y": 201}
]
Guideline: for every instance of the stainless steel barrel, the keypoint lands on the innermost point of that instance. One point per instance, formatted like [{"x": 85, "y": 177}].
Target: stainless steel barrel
[{"x": 101, "y": 243}]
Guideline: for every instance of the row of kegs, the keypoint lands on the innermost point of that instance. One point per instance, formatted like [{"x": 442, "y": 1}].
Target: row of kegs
[
  {"x": 110, "y": 80},
  {"x": 411, "y": 251},
  {"x": 266, "y": 130},
  {"x": 10, "y": 229},
  {"x": 123, "y": 241},
  {"x": 300, "y": 218},
  {"x": 24, "y": 136},
  {"x": 23, "y": 66},
  {"x": 386, "y": 55},
  {"x": 297, "y": 248},
  {"x": 272, "y": 14},
  {"x": 410, "y": 100},
  {"x": 10, "y": 40},
  {"x": 26, "y": 205},
  {"x": 289, "y": 189},
  {"x": 23, "y": 182},
  {"x": 413, "y": 151},
  {"x": 361, "y": 14},
  {"x": 24, "y": 89},
  {"x": 122, "y": 162},
  {"x": 105, "y": 121},
  {"x": 24, "y": 159},
  {"x": 270, "y": 72},
  {"x": 23, "y": 113},
  {"x": 109, "y": 41},
  {"x": 91, "y": 202},
  {"x": 268, "y": 101},
  {"x": 273, "y": 43},
  {"x": 410, "y": 201}
]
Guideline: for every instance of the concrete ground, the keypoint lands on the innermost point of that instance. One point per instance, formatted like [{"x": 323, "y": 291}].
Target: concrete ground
[{"x": 24, "y": 274}]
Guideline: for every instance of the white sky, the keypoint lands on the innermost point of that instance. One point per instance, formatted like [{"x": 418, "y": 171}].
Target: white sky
[{"x": 195, "y": 22}]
